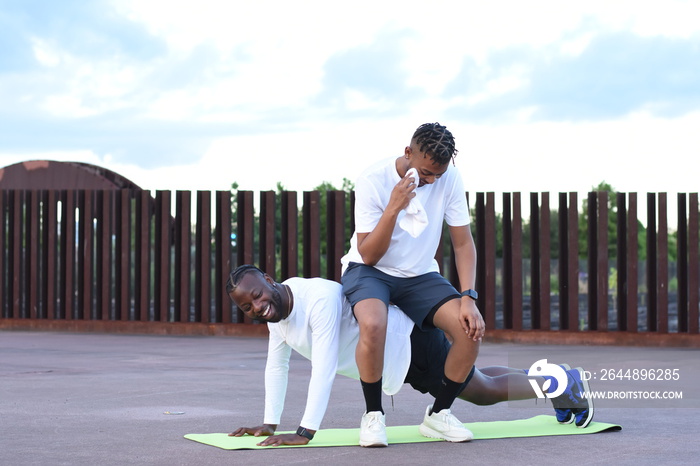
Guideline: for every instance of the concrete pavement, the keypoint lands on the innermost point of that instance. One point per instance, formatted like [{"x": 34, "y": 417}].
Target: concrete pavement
[{"x": 100, "y": 399}]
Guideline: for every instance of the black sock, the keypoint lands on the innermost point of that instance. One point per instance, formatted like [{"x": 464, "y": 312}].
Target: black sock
[
  {"x": 447, "y": 394},
  {"x": 373, "y": 395}
]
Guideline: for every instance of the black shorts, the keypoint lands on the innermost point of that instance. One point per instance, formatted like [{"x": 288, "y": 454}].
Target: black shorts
[
  {"x": 428, "y": 354},
  {"x": 418, "y": 297}
]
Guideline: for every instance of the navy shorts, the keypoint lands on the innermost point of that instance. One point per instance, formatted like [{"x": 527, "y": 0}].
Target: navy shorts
[
  {"x": 428, "y": 354},
  {"x": 418, "y": 297}
]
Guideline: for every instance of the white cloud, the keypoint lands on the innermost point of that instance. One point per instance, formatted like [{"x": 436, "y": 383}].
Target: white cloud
[
  {"x": 258, "y": 65},
  {"x": 45, "y": 54},
  {"x": 638, "y": 153}
]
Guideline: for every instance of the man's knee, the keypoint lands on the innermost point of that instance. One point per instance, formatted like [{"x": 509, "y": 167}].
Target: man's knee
[
  {"x": 373, "y": 330},
  {"x": 371, "y": 315}
]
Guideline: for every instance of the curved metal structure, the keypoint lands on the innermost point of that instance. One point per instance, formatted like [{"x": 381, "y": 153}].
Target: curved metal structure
[{"x": 48, "y": 174}]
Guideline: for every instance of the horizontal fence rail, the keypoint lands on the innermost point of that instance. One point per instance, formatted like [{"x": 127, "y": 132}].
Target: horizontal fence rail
[{"x": 128, "y": 256}]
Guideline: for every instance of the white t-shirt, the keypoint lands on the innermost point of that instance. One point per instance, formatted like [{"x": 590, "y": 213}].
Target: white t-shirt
[
  {"x": 322, "y": 328},
  {"x": 407, "y": 256}
]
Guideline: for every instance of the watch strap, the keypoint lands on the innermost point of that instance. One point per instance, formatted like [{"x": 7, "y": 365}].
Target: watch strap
[
  {"x": 305, "y": 433},
  {"x": 471, "y": 293}
]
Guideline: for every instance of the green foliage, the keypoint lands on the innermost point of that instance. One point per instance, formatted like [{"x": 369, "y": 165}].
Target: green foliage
[{"x": 584, "y": 224}]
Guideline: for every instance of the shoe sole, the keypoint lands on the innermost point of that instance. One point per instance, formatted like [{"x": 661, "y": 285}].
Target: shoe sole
[
  {"x": 430, "y": 433},
  {"x": 373, "y": 445},
  {"x": 569, "y": 420},
  {"x": 586, "y": 389}
]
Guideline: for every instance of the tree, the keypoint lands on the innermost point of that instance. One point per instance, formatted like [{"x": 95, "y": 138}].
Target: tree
[{"x": 583, "y": 221}]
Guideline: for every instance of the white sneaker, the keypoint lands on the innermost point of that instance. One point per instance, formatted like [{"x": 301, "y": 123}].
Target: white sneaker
[
  {"x": 444, "y": 425},
  {"x": 373, "y": 430}
]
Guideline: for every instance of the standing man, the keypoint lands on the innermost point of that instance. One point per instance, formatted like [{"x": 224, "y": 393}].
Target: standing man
[{"x": 392, "y": 259}]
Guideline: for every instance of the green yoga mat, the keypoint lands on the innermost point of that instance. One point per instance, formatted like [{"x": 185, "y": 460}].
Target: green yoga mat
[{"x": 537, "y": 426}]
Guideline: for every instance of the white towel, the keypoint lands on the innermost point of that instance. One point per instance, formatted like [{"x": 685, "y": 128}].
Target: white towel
[{"x": 415, "y": 220}]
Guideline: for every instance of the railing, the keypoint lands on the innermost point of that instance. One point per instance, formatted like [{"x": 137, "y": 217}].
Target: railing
[{"x": 125, "y": 256}]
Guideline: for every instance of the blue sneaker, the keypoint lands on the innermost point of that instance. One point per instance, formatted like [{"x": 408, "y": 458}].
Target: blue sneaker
[
  {"x": 584, "y": 410},
  {"x": 573, "y": 399},
  {"x": 563, "y": 410}
]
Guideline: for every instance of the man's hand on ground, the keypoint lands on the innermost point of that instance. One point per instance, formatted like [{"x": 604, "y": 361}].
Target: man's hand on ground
[
  {"x": 283, "y": 439},
  {"x": 263, "y": 430}
]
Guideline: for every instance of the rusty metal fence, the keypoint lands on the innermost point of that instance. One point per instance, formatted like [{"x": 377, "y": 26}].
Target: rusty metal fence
[{"x": 127, "y": 256}]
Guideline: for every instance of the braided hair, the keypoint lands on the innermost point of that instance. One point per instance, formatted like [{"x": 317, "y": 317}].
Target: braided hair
[
  {"x": 436, "y": 141},
  {"x": 237, "y": 275}
]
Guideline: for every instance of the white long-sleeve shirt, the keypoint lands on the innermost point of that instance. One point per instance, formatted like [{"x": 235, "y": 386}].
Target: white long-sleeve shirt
[{"x": 322, "y": 328}]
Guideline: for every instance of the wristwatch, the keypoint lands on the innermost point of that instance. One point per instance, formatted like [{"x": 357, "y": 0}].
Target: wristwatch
[
  {"x": 471, "y": 293},
  {"x": 305, "y": 433}
]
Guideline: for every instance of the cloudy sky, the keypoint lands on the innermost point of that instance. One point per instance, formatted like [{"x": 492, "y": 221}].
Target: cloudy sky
[{"x": 540, "y": 95}]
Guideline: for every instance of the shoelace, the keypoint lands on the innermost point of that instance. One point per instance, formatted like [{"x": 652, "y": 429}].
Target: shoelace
[
  {"x": 373, "y": 421},
  {"x": 451, "y": 420}
]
